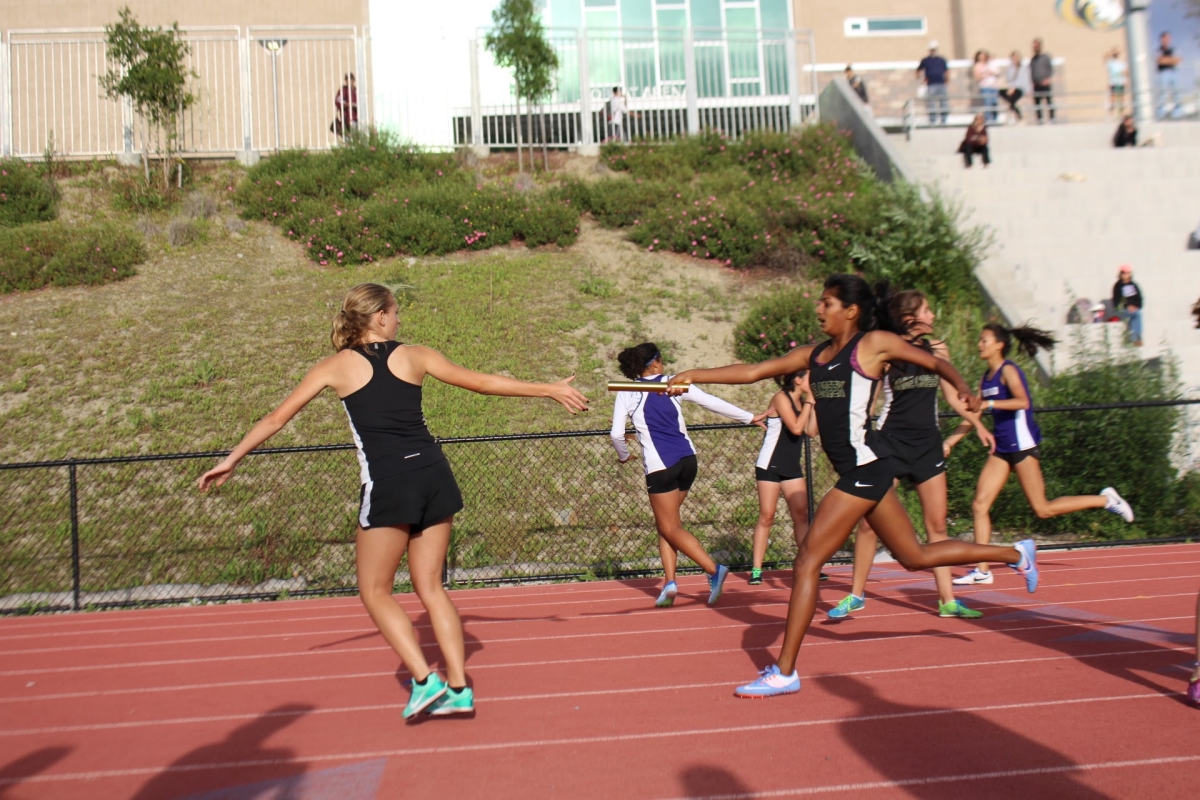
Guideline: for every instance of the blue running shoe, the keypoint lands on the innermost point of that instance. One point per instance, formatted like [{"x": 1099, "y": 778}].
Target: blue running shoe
[
  {"x": 1028, "y": 566},
  {"x": 424, "y": 695},
  {"x": 666, "y": 598},
  {"x": 848, "y": 605},
  {"x": 771, "y": 682},
  {"x": 716, "y": 582}
]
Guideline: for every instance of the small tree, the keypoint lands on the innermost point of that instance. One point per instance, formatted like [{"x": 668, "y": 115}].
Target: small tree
[
  {"x": 518, "y": 41},
  {"x": 149, "y": 66}
]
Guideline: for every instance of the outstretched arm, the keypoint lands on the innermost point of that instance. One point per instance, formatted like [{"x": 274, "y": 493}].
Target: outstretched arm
[
  {"x": 970, "y": 419},
  {"x": 317, "y": 379},
  {"x": 745, "y": 373},
  {"x": 446, "y": 371},
  {"x": 718, "y": 406}
]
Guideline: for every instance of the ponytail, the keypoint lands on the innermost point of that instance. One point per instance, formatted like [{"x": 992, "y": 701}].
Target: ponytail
[
  {"x": 360, "y": 305},
  {"x": 1029, "y": 340},
  {"x": 884, "y": 321}
]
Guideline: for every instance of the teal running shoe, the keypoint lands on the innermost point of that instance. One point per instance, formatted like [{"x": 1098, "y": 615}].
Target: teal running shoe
[
  {"x": 424, "y": 696},
  {"x": 666, "y": 598},
  {"x": 1028, "y": 564},
  {"x": 716, "y": 582},
  {"x": 847, "y": 606},
  {"x": 957, "y": 608},
  {"x": 454, "y": 701},
  {"x": 771, "y": 683},
  {"x": 756, "y": 576}
]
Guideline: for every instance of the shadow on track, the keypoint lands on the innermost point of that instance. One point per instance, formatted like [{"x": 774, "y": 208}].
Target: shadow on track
[
  {"x": 704, "y": 780},
  {"x": 28, "y": 765},
  {"x": 188, "y": 774},
  {"x": 951, "y": 750}
]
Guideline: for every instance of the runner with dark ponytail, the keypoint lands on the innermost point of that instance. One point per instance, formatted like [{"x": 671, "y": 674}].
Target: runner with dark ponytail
[
  {"x": 1006, "y": 396},
  {"x": 844, "y": 373}
]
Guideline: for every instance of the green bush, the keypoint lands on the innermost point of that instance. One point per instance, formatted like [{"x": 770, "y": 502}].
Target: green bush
[
  {"x": 57, "y": 254},
  {"x": 132, "y": 193},
  {"x": 373, "y": 198},
  {"x": 777, "y": 325},
  {"x": 25, "y": 196}
]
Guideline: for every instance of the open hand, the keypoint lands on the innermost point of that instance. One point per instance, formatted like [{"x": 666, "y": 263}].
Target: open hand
[
  {"x": 215, "y": 476},
  {"x": 760, "y": 420},
  {"x": 568, "y": 396},
  {"x": 985, "y": 436}
]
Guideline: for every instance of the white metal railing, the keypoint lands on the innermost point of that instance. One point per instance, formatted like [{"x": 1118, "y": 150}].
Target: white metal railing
[
  {"x": 1058, "y": 107},
  {"x": 675, "y": 81},
  {"x": 249, "y": 97}
]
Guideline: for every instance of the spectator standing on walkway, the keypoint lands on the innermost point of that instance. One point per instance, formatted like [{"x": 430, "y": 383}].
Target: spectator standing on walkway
[
  {"x": 1041, "y": 74},
  {"x": 856, "y": 83},
  {"x": 987, "y": 80},
  {"x": 1016, "y": 75},
  {"x": 1168, "y": 81},
  {"x": 346, "y": 103},
  {"x": 616, "y": 111},
  {"x": 976, "y": 142},
  {"x": 934, "y": 71},
  {"x": 1127, "y": 300},
  {"x": 1117, "y": 74},
  {"x": 1126, "y": 135}
]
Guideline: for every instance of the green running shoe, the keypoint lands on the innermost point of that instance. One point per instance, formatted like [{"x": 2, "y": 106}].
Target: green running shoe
[
  {"x": 424, "y": 696},
  {"x": 756, "y": 576},
  {"x": 957, "y": 608},
  {"x": 847, "y": 606},
  {"x": 454, "y": 701}
]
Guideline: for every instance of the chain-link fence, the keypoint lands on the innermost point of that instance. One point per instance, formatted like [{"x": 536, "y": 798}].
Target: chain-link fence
[{"x": 113, "y": 532}]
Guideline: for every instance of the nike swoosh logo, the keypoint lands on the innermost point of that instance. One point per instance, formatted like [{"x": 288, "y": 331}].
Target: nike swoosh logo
[
  {"x": 863, "y": 485},
  {"x": 935, "y": 466},
  {"x": 831, "y": 366}
]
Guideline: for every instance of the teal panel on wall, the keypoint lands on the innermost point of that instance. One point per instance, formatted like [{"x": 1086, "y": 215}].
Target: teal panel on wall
[
  {"x": 639, "y": 70},
  {"x": 710, "y": 71},
  {"x": 741, "y": 18},
  {"x": 636, "y": 14},
  {"x": 774, "y": 13},
  {"x": 566, "y": 13},
  {"x": 706, "y": 14}
]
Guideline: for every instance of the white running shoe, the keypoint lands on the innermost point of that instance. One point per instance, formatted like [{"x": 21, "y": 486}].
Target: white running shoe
[
  {"x": 1117, "y": 504},
  {"x": 973, "y": 577}
]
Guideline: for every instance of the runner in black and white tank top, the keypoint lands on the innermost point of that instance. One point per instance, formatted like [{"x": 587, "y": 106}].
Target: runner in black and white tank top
[
  {"x": 844, "y": 396},
  {"x": 909, "y": 420},
  {"x": 782, "y": 452}
]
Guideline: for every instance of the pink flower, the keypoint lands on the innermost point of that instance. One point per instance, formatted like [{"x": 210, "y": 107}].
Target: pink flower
[
  {"x": 323, "y": 263},
  {"x": 656, "y": 241},
  {"x": 279, "y": 183},
  {"x": 114, "y": 269},
  {"x": 339, "y": 254},
  {"x": 791, "y": 344},
  {"x": 97, "y": 249}
]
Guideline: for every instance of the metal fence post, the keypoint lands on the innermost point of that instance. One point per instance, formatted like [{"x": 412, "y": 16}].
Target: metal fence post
[
  {"x": 690, "y": 88},
  {"x": 586, "y": 139},
  {"x": 74, "y": 538},
  {"x": 5, "y": 98},
  {"x": 360, "y": 59},
  {"x": 793, "y": 79},
  {"x": 812, "y": 503},
  {"x": 247, "y": 155},
  {"x": 476, "y": 102}
]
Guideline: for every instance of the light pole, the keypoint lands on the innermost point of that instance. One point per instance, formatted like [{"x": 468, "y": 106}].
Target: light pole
[
  {"x": 273, "y": 47},
  {"x": 1137, "y": 40}
]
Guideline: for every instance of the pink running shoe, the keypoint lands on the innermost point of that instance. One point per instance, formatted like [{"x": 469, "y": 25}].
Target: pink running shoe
[{"x": 1193, "y": 692}]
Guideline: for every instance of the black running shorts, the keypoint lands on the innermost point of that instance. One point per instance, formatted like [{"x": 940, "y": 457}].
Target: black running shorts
[
  {"x": 870, "y": 481},
  {"x": 919, "y": 464},
  {"x": 420, "y": 498},
  {"x": 771, "y": 476},
  {"x": 679, "y": 476},
  {"x": 1016, "y": 458}
]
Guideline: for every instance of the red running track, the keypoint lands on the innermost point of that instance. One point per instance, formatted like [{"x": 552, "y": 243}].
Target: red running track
[{"x": 586, "y": 690}]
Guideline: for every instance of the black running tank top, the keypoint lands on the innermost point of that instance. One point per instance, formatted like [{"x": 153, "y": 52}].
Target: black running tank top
[
  {"x": 386, "y": 420},
  {"x": 910, "y": 405},
  {"x": 843, "y": 405}
]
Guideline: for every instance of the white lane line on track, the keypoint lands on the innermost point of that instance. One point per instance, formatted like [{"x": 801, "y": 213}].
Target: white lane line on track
[
  {"x": 964, "y": 592},
  {"x": 171, "y": 617},
  {"x": 527, "y": 697},
  {"x": 372, "y": 632},
  {"x": 590, "y": 659},
  {"x": 902, "y": 783},
  {"x": 577, "y": 740}
]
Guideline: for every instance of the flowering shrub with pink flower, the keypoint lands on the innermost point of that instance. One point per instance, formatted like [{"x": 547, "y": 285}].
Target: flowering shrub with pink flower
[
  {"x": 374, "y": 199},
  {"x": 25, "y": 196},
  {"x": 777, "y": 325},
  {"x": 58, "y": 254}
]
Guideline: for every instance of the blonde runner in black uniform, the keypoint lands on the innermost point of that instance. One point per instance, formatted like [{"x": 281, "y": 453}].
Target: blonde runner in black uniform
[
  {"x": 845, "y": 371},
  {"x": 409, "y": 496}
]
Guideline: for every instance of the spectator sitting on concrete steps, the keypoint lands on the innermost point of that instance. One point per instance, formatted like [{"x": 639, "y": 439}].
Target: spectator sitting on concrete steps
[
  {"x": 1127, "y": 299},
  {"x": 976, "y": 142},
  {"x": 856, "y": 83},
  {"x": 1126, "y": 135}
]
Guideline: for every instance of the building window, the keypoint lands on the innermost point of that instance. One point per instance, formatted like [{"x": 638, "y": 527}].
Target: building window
[{"x": 885, "y": 26}]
